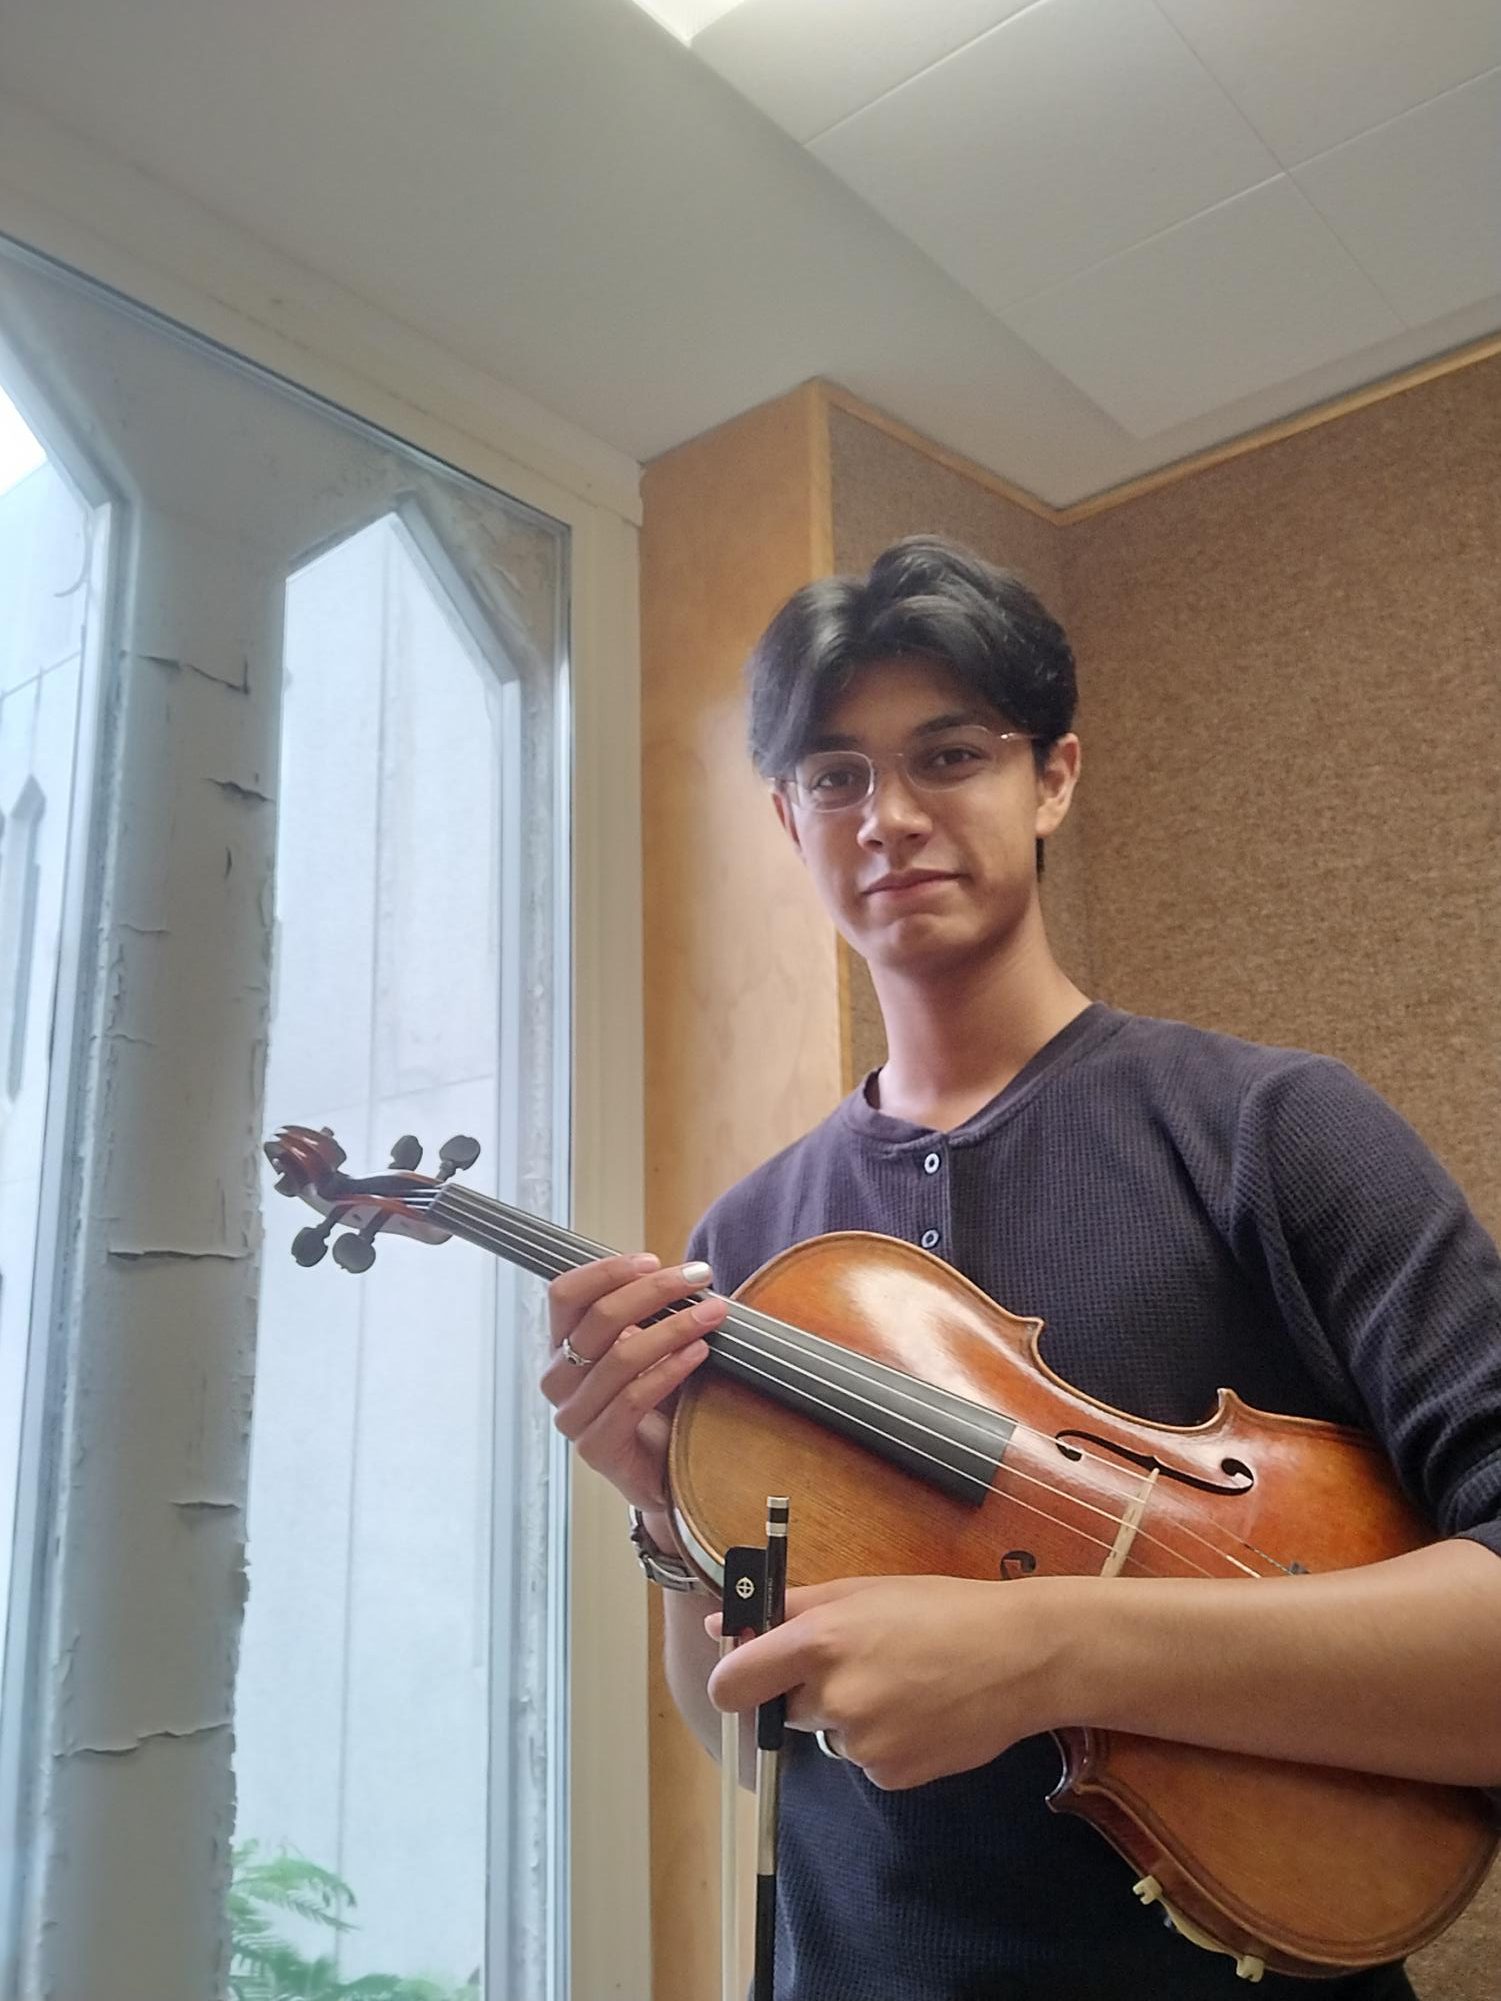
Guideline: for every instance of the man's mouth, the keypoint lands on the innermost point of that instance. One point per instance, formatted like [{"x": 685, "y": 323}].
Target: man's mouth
[{"x": 908, "y": 881}]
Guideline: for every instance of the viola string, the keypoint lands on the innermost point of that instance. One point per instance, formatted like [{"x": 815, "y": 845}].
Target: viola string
[
  {"x": 494, "y": 1235},
  {"x": 546, "y": 1244},
  {"x": 1005, "y": 1469}
]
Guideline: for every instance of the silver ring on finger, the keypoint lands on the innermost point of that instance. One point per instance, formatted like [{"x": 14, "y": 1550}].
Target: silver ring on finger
[
  {"x": 571, "y": 1354},
  {"x": 824, "y": 1739}
]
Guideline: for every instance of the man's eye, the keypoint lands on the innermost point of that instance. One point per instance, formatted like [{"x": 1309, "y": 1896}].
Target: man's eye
[
  {"x": 833, "y": 778},
  {"x": 949, "y": 759}
]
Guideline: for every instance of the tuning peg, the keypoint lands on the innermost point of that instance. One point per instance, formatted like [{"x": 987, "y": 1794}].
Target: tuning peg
[
  {"x": 456, "y": 1154},
  {"x": 354, "y": 1251},
  {"x": 309, "y": 1245},
  {"x": 406, "y": 1155},
  {"x": 335, "y": 1152}
]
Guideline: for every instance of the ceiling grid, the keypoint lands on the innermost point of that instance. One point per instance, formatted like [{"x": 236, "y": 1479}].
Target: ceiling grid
[
  {"x": 1177, "y": 203},
  {"x": 1074, "y": 240}
]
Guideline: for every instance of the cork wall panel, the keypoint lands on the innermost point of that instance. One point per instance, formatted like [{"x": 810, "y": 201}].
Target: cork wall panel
[
  {"x": 883, "y": 489},
  {"x": 739, "y": 961},
  {"x": 1290, "y": 672}
]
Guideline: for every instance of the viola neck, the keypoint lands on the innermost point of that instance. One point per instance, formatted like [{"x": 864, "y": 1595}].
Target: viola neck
[
  {"x": 945, "y": 1440},
  {"x": 544, "y": 1249}
]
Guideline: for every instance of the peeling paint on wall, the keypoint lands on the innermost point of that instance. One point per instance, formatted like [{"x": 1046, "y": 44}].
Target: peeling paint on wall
[
  {"x": 148, "y": 1737},
  {"x": 157, "y": 1253},
  {"x": 239, "y": 687},
  {"x": 245, "y": 794},
  {"x": 133, "y": 1785}
]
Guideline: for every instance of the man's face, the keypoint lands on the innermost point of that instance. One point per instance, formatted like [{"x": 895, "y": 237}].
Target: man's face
[{"x": 918, "y": 877}]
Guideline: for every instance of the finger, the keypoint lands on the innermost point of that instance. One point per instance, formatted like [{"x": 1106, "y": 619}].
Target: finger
[
  {"x": 624, "y": 1395},
  {"x": 630, "y": 1306},
  {"x": 802, "y": 1715},
  {"x": 572, "y": 1293},
  {"x": 583, "y": 1394},
  {"x": 600, "y": 1443},
  {"x": 774, "y": 1663},
  {"x": 807, "y": 1597}
]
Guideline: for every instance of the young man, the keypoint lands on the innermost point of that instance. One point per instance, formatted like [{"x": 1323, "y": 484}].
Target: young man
[{"x": 1183, "y": 1210}]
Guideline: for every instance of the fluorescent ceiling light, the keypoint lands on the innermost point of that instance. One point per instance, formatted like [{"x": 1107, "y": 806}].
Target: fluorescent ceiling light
[{"x": 687, "y": 18}]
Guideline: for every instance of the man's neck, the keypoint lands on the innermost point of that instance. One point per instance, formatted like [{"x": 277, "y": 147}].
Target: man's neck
[{"x": 957, "y": 1040}]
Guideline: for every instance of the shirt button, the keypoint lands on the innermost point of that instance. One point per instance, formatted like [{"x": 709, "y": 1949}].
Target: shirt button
[
  {"x": 932, "y": 1164},
  {"x": 929, "y": 1239}
]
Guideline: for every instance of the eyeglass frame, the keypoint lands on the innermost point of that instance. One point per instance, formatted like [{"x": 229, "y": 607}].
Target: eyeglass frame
[{"x": 790, "y": 784}]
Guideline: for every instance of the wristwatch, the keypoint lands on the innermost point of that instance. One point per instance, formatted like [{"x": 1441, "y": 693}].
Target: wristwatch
[{"x": 662, "y": 1566}]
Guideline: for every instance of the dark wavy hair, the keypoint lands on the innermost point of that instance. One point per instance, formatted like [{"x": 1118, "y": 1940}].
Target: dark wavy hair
[{"x": 924, "y": 598}]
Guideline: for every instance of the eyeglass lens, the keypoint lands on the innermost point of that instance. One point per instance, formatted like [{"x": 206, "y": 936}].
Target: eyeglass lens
[{"x": 830, "y": 779}]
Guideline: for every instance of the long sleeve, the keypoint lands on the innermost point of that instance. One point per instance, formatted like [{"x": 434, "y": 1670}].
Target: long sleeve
[{"x": 1385, "y": 1278}]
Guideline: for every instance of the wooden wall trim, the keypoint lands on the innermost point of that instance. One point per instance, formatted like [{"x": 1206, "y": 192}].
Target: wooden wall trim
[
  {"x": 742, "y": 1022},
  {"x": 820, "y": 481},
  {"x": 1288, "y": 427},
  {"x": 1329, "y": 412}
]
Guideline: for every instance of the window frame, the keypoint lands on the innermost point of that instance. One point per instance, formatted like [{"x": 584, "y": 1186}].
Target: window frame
[
  {"x": 33, "y": 1503},
  {"x": 160, "y": 256}
]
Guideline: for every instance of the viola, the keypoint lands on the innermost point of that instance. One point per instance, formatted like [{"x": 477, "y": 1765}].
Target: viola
[{"x": 920, "y": 1431}]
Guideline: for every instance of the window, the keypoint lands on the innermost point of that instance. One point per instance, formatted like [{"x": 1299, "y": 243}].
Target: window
[
  {"x": 326, "y": 882},
  {"x": 52, "y": 541},
  {"x": 20, "y": 897},
  {"x": 396, "y": 1652}
]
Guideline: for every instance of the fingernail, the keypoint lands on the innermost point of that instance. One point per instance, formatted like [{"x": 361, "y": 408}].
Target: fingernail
[
  {"x": 646, "y": 1262},
  {"x": 696, "y": 1274},
  {"x": 708, "y": 1312}
]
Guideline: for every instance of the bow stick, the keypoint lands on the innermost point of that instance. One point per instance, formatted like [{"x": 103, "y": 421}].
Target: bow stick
[
  {"x": 753, "y": 1600},
  {"x": 771, "y": 1721}
]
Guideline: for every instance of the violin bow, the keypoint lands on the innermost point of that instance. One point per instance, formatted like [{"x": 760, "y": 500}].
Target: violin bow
[
  {"x": 753, "y": 1600},
  {"x": 744, "y": 1588},
  {"x": 771, "y": 1721}
]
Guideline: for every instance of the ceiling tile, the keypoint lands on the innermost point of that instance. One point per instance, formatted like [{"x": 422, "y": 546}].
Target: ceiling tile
[
  {"x": 1252, "y": 294},
  {"x": 1310, "y": 74},
  {"x": 809, "y": 63},
  {"x": 1418, "y": 201},
  {"x": 1061, "y": 137}
]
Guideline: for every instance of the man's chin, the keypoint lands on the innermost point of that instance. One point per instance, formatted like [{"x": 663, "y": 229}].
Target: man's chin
[{"x": 918, "y": 940}]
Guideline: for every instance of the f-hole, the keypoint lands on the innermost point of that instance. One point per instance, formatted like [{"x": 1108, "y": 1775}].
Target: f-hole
[{"x": 1240, "y": 1478}]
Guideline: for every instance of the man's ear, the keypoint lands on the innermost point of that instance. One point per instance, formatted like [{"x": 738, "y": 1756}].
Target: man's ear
[
  {"x": 786, "y": 816},
  {"x": 1056, "y": 782}
]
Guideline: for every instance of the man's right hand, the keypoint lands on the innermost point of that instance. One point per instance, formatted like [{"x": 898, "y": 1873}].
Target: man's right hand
[{"x": 608, "y": 1401}]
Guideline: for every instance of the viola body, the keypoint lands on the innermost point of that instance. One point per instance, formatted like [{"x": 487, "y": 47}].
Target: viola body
[{"x": 1303, "y": 1869}]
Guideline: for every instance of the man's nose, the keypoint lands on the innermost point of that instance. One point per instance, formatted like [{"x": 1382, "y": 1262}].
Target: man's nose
[{"x": 892, "y": 808}]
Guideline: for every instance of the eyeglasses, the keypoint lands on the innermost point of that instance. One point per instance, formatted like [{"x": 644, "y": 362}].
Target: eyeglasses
[{"x": 830, "y": 781}]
